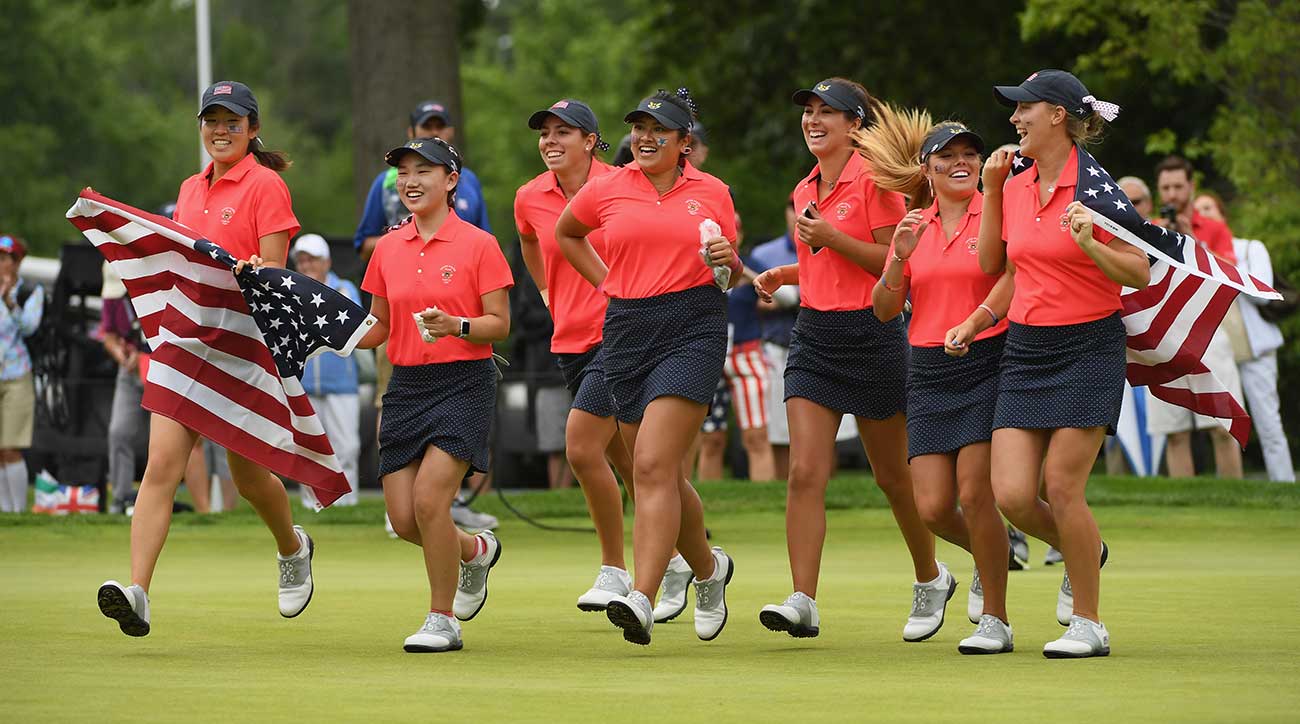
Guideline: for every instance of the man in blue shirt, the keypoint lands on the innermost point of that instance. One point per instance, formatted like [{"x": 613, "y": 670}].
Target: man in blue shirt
[
  {"x": 384, "y": 207},
  {"x": 777, "y": 321}
]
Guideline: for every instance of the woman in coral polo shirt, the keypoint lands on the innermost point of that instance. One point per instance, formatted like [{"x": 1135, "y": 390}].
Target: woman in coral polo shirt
[
  {"x": 957, "y": 329},
  {"x": 665, "y": 340},
  {"x": 240, "y": 203},
  {"x": 440, "y": 285},
  {"x": 842, "y": 359},
  {"x": 1062, "y": 378},
  {"x": 568, "y": 140}
]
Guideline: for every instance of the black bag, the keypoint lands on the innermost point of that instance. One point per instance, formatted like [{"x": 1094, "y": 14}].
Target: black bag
[{"x": 1279, "y": 309}]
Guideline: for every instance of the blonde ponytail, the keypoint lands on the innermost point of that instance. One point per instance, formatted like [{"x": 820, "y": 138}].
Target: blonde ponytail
[{"x": 892, "y": 147}]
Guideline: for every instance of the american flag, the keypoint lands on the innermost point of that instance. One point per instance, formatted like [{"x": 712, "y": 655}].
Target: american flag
[
  {"x": 227, "y": 350},
  {"x": 1171, "y": 322}
]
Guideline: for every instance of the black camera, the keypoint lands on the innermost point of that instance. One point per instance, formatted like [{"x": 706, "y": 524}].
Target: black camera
[{"x": 1170, "y": 214}]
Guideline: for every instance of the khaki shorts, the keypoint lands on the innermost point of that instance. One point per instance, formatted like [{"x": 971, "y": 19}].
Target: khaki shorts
[
  {"x": 17, "y": 408},
  {"x": 1166, "y": 419}
]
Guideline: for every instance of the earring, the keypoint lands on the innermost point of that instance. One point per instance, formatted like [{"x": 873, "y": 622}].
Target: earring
[{"x": 686, "y": 151}]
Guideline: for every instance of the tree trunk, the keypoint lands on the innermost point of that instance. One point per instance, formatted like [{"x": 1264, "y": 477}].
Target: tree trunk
[{"x": 401, "y": 52}]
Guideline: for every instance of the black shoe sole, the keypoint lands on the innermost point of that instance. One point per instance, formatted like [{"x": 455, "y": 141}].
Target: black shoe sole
[
  {"x": 311, "y": 555},
  {"x": 976, "y": 651},
  {"x": 418, "y": 649},
  {"x": 495, "y": 557},
  {"x": 591, "y": 607},
  {"x": 114, "y": 605},
  {"x": 620, "y": 614},
  {"x": 731, "y": 570},
  {"x": 774, "y": 621},
  {"x": 943, "y": 613},
  {"x": 1064, "y": 655}
]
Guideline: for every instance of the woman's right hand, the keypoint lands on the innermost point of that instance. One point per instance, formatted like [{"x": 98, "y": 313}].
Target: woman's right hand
[
  {"x": 908, "y": 232},
  {"x": 767, "y": 283},
  {"x": 996, "y": 169}
]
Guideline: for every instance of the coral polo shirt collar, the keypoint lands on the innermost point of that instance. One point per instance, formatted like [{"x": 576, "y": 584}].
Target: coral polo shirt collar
[
  {"x": 450, "y": 230},
  {"x": 852, "y": 170},
  {"x": 974, "y": 208},
  {"x": 235, "y": 174}
]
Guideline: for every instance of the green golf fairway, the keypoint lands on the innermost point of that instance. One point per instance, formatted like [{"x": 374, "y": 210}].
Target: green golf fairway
[{"x": 1201, "y": 601}]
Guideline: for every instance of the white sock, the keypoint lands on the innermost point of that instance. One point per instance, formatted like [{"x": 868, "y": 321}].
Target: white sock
[
  {"x": 5, "y": 507},
  {"x": 17, "y": 475}
]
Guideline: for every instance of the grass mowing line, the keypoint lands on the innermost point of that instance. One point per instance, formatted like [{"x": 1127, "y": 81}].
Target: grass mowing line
[{"x": 846, "y": 492}]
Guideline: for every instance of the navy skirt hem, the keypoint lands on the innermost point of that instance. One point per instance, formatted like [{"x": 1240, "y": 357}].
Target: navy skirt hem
[
  {"x": 449, "y": 405},
  {"x": 1062, "y": 376},
  {"x": 849, "y": 362},
  {"x": 584, "y": 375},
  {"x": 669, "y": 345},
  {"x": 951, "y": 400}
]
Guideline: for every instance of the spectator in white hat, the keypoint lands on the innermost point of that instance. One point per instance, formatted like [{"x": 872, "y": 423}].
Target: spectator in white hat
[{"x": 329, "y": 379}]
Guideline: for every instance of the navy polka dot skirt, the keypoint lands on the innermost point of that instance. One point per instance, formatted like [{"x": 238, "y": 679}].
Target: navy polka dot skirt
[
  {"x": 951, "y": 400},
  {"x": 448, "y": 405},
  {"x": 849, "y": 362},
  {"x": 584, "y": 375},
  {"x": 668, "y": 345},
  {"x": 1066, "y": 376}
]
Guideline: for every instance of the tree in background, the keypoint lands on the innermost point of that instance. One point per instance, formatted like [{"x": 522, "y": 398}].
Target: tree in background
[{"x": 1242, "y": 53}]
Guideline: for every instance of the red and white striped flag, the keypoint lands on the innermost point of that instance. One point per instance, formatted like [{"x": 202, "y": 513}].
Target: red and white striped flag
[{"x": 210, "y": 367}]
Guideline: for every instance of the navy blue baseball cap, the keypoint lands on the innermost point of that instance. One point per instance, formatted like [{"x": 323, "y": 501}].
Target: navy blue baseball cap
[
  {"x": 434, "y": 150},
  {"x": 231, "y": 95},
  {"x": 944, "y": 134},
  {"x": 835, "y": 93},
  {"x": 1057, "y": 87},
  {"x": 669, "y": 114},
  {"x": 430, "y": 109},
  {"x": 573, "y": 112}
]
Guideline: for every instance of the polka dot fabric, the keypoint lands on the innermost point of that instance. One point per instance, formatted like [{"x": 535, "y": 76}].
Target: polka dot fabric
[
  {"x": 849, "y": 362},
  {"x": 584, "y": 375},
  {"x": 667, "y": 345},
  {"x": 951, "y": 400},
  {"x": 1066, "y": 376},
  {"x": 716, "y": 419},
  {"x": 448, "y": 405}
]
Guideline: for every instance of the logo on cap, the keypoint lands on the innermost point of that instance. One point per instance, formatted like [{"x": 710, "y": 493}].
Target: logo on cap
[
  {"x": 561, "y": 104},
  {"x": 692, "y": 207},
  {"x": 222, "y": 90},
  {"x": 842, "y": 210},
  {"x": 415, "y": 144},
  {"x": 823, "y": 86},
  {"x": 227, "y": 214},
  {"x": 1035, "y": 75},
  {"x": 447, "y": 272},
  {"x": 654, "y": 105}
]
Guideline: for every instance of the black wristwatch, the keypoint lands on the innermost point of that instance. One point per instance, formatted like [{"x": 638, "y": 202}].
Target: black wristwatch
[{"x": 464, "y": 328}]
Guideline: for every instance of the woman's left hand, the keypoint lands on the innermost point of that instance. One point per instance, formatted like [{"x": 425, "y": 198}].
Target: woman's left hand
[
  {"x": 956, "y": 341},
  {"x": 254, "y": 261},
  {"x": 814, "y": 230},
  {"x": 720, "y": 252},
  {"x": 1080, "y": 224},
  {"x": 440, "y": 324}
]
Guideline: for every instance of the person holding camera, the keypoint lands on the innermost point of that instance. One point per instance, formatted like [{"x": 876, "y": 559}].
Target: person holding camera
[
  {"x": 1255, "y": 343},
  {"x": 20, "y": 315},
  {"x": 1177, "y": 188}
]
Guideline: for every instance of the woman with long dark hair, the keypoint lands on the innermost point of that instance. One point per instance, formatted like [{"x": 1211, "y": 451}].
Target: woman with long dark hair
[{"x": 670, "y": 237}]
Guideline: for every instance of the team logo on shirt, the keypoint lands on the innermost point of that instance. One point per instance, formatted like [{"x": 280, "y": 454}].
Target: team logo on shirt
[
  {"x": 973, "y": 245},
  {"x": 842, "y": 211},
  {"x": 692, "y": 207},
  {"x": 227, "y": 214},
  {"x": 447, "y": 272}
]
